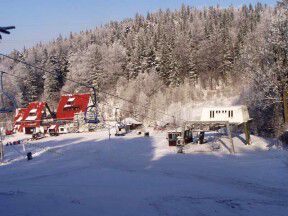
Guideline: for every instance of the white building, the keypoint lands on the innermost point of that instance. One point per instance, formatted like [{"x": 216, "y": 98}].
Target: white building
[{"x": 232, "y": 114}]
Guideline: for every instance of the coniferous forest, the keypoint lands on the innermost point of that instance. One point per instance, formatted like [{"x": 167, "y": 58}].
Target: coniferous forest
[{"x": 168, "y": 60}]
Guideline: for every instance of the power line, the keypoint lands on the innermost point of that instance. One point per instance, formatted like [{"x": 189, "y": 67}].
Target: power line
[
  {"x": 59, "y": 120},
  {"x": 137, "y": 115},
  {"x": 85, "y": 85},
  {"x": 103, "y": 102},
  {"x": 39, "y": 68}
]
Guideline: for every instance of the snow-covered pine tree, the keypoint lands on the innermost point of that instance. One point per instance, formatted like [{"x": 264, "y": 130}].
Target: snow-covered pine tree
[
  {"x": 55, "y": 75},
  {"x": 93, "y": 61}
]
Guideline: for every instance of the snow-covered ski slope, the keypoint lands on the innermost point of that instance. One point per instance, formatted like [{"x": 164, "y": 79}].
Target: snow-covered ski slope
[{"x": 88, "y": 174}]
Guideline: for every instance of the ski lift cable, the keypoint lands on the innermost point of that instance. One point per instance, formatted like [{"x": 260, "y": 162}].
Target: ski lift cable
[
  {"x": 144, "y": 106},
  {"x": 59, "y": 120},
  {"x": 39, "y": 68},
  {"x": 136, "y": 115},
  {"x": 83, "y": 84},
  {"x": 17, "y": 151}
]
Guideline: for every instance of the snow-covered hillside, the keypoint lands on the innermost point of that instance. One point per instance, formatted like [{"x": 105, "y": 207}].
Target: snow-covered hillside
[{"x": 88, "y": 174}]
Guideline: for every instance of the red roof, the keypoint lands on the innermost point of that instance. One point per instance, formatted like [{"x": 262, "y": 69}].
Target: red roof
[
  {"x": 34, "y": 114},
  {"x": 29, "y": 117},
  {"x": 21, "y": 114},
  {"x": 69, "y": 105}
]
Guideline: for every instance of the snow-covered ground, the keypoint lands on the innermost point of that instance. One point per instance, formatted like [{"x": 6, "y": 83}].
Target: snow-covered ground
[{"x": 88, "y": 174}]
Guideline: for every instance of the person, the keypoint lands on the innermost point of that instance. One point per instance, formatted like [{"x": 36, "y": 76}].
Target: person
[{"x": 201, "y": 137}]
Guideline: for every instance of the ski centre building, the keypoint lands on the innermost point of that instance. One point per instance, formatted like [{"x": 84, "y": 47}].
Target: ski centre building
[
  {"x": 35, "y": 118},
  {"x": 71, "y": 105},
  {"x": 69, "y": 111}
]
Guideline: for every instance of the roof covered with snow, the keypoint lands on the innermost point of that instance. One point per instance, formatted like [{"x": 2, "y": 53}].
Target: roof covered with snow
[
  {"x": 69, "y": 105},
  {"x": 30, "y": 116},
  {"x": 71, "y": 99},
  {"x": 21, "y": 114},
  {"x": 33, "y": 111},
  {"x": 130, "y": 121}
]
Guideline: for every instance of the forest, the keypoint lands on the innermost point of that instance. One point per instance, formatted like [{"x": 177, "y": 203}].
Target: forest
[{"x": 168, "y": 60}]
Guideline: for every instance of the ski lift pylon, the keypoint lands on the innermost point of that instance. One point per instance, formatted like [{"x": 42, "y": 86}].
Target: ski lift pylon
[
  {"x": 91, "y": 112},
  {"x": 8, "y": 102}
]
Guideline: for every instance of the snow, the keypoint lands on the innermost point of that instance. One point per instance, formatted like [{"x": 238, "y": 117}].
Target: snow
[
  {"x": 192, "y": 111},
  {"x": 71, "y": 99},
  {"x": 90, "y": 174},
  {"x": 33, "y": 111},
  {"x": 31, "y": 118},
  {"x": 52, "y": 127},
  {"x": 19, "y": 119},
  {"x": 130, "y": 121}
]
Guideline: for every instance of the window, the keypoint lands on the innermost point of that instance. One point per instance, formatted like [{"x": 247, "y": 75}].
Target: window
[
  {"x": 187, "y": 134},
  {"x": 71, "y": 108},
  {"x": 230, "y": 113},
  {"x": 172, "y": 136},
  {"x": 61, "y": 129}
]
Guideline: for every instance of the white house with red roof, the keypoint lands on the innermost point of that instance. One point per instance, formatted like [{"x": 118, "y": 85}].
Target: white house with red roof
[
  {"x": 21, "y": 114},
  {"x": 69, "y": 110},
  {"x": 71, "y": 105},
  {"x": 36, "y": 117}
]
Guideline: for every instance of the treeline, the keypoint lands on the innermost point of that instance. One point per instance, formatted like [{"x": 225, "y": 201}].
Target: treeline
[{"x": 242, "y": 48}]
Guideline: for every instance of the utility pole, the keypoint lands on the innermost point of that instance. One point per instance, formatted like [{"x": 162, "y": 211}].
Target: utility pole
[
  {"x": 1, "y": 147},
  {"x": 1, "y": 151},
  {"x": 285, "y": 104},
  {"x": 23, "y": 146},
  {"x": 247, "y": 132},
  {"x": 117, "y": 115},
  {"x": 229, "y": 131},
  {"x": 181, "y": 140}
]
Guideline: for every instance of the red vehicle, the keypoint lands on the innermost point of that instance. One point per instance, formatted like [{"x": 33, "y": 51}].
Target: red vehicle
[
  {"x": 53, "y": 130},
  {"x": 37, "y": 136},
  {"x": 9, "y": 132}
]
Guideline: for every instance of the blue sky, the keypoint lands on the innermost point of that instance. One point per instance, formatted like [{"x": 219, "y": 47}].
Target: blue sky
[{"x": 43, "y": 20}]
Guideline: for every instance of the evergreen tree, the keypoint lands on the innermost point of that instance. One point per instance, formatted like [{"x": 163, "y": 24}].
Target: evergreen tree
[
  {"x": 55, "y": 75},
  {"x": 94, "y": 66}
]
